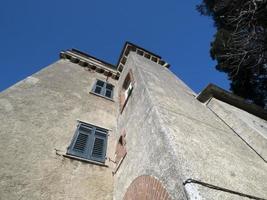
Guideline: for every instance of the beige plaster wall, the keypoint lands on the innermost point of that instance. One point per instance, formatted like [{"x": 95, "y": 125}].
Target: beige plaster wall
[{"x": 38, "y": 119}]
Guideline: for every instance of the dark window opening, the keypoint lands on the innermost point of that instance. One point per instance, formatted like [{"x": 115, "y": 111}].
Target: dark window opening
[
  {"x": 103, "y": 89},
  {"x": 100, "y": 83},
  {"x": 98, "y": 90},
  {"x": 108, "y": 93}
]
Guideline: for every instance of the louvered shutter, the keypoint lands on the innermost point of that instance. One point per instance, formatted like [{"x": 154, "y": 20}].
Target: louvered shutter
[
  {"x": 81, "y": 144},
  {"x": 99, "y": 146}
]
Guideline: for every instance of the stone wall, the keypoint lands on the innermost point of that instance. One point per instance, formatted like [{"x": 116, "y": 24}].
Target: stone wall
[
  {"x": 170, "y": 135},
  {"x": 251, "y": 129},
  {"x": 148, "y": 148},
  {"x": 38, "y": 118}
]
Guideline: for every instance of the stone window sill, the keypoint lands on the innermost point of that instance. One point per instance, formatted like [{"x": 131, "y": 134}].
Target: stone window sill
[
  {"x": 99, "y": 95},
  {"x": 85, "y": 160}
]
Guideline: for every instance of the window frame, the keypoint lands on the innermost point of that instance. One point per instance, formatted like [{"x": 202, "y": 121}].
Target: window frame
[
  {"x": 103, "y": 90},
  {"x": 94, "y": 132},
  {"x": 126, "y": 89}
]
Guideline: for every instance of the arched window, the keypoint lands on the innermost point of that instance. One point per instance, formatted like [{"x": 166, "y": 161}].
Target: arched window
[{"x": 126, "y": 90}]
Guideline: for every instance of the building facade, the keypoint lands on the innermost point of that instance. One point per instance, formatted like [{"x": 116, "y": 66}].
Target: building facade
[{"x": 82, "y": 128}]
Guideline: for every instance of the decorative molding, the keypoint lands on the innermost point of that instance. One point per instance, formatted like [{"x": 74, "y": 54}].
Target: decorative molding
[
  {"x": 90, "y": 63},
  {"x": 128, "y": 47},
  {"x": 102, "y": 67}
]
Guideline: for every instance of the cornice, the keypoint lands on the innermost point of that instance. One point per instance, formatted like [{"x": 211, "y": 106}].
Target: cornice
[
  {"x": 130, "y": 47},
  {"x": 100, "y": 66},
  {"x": 90, "y": 63},
  {"x": 213, "y": 91}
]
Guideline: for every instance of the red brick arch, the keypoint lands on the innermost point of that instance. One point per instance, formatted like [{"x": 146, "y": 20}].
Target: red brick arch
[{"x": 146, "y": 188}]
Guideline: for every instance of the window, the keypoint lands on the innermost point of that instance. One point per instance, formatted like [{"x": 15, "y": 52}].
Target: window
[
  {"x": 103, "y": 88},
  {"x": 89, "y": 142},
  {"x": 126, "y": 90}
]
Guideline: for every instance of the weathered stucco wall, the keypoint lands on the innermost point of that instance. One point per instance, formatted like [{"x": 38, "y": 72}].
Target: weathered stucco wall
[
  {"x": 38, "y": 117},
  {"x": 252, "y": 129},
  {"x": 174, "y": 137},
  {"x": 170, "y": 137},
  {"x": 148, "y": 148}
]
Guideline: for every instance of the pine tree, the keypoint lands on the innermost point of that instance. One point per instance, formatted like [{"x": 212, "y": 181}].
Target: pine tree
[{"x": 240, "y": 45}]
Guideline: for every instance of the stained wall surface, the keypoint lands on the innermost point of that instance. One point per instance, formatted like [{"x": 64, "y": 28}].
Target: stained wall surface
[
  {"x": 174, "y": 137},
  {"x": 251, "y": 129},
  {"x": 38, "y": 118},
  {"x": 170, "y": 137}
]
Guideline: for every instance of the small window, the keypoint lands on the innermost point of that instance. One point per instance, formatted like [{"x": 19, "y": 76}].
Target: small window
[
  {"x": 89, "y": 142},
  {"x": 126, "y": 90},
  {"x": 103, "y": 88}
]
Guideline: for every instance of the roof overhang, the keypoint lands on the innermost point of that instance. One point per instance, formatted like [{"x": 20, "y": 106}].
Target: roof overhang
[
  {"x": 213, "y": 91},
  {"x": 128, "y": 47},
  {"x": 92, "y": 63}
]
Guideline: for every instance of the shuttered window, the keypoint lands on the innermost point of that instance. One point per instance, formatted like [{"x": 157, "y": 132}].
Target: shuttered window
[
  {"x": 89, "y": 142},
  {"x": 103, "y": 88}
]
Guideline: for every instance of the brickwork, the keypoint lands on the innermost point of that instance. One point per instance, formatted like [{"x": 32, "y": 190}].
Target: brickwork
[{"x": 146, "y": 188}]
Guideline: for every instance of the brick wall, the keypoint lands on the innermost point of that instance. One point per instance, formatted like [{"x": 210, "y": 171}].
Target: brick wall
[{"x": 146, "y": 188}]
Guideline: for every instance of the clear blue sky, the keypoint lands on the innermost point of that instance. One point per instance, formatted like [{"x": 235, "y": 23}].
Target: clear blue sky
[{"x": 33, "y": 32}]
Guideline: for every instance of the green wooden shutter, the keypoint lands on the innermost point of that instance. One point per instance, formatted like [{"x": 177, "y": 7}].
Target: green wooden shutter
[
  {"x": 89, "y": 142},
  {"x": 81, "y": 142},
  {"x": 99, "y": 146}
]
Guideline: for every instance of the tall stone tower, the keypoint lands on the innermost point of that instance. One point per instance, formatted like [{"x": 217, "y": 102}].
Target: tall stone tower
[{"x": 82, "y": 128}]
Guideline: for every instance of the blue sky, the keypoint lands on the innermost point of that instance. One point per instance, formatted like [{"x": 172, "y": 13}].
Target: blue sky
[{"x": 33, "y": 32}]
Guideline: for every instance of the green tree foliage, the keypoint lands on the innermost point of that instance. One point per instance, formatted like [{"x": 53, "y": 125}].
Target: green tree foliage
[{"x": 240, "y": 45}]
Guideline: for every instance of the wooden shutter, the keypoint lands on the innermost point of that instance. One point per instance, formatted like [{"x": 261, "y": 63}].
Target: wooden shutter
[
  {"x": 89, "y": 142},
  {"x": 81, "y": 142},
  {"x": 99, "y": 146}
]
